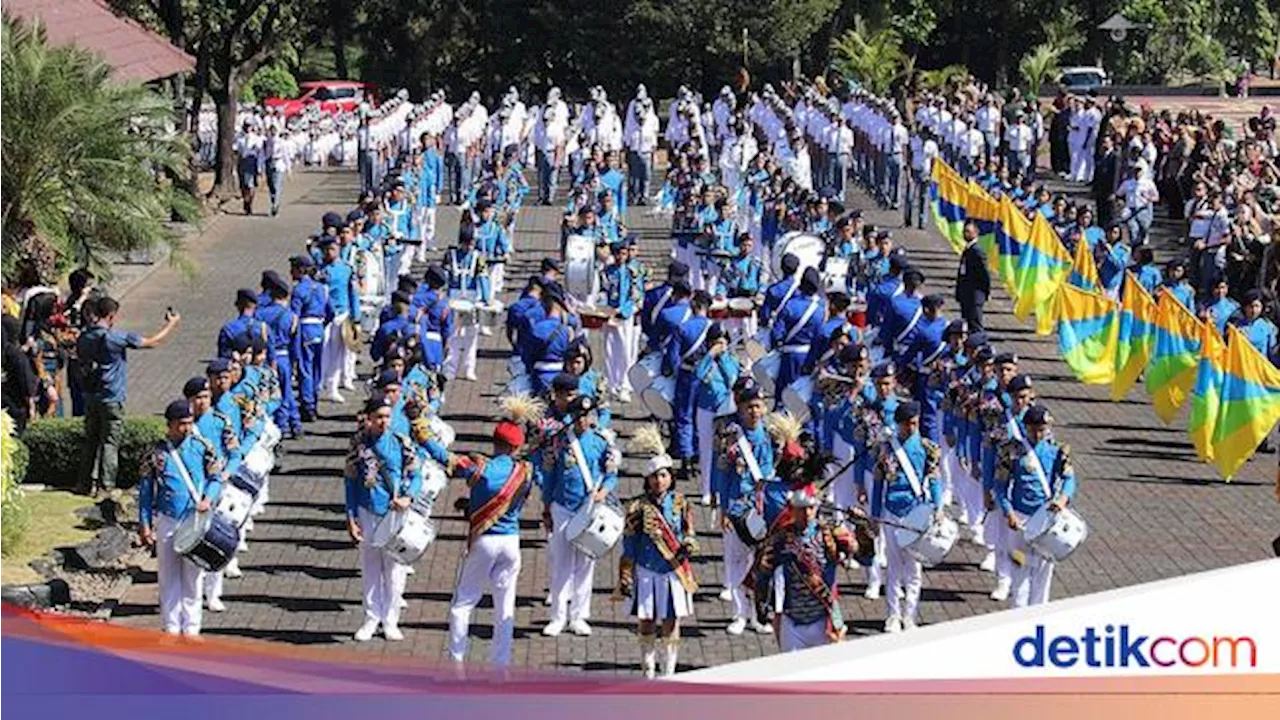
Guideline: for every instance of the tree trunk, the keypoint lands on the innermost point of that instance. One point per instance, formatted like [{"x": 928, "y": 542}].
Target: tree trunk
[
  {"x": 339, "y": 14},
  {"x": 224, "y": 164}
]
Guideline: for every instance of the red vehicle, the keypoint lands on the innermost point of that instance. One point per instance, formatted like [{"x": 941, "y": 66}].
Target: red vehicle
[{"x": 330, "y": 95}]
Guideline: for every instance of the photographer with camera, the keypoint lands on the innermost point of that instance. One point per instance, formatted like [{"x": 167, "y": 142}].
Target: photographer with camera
[{"x": 102, "y": 351}]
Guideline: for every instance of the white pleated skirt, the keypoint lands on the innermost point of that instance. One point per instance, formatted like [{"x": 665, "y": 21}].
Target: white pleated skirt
[{"x": 660, "y": 596}]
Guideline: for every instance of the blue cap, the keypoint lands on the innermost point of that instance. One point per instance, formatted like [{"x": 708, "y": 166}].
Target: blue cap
[
  {"x": 387, "y": 377},
  {"x": 194, "y": 386},
  {"x": 564, "y": 382},
  {"x": 217, "y": 366},
  {"x": 177, "y": 410},
  {"x": 884, "y": 369},
  {"x": 1037, "y": 415},
  {"x": 355, "y": 216},
  {"x": 906, "y": 411},
  {"x": 302, "y": 261},
  {"x": 330, "y": 219}
]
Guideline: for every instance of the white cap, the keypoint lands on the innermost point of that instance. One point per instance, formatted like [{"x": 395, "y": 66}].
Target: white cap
[{"x": 658, "y": 462}]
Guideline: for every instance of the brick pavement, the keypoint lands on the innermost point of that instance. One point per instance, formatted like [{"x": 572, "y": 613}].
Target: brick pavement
[{"x": 1154, "y": 511}]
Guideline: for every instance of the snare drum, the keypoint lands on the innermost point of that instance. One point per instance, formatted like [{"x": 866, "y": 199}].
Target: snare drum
[
  {"x": 442, "y": 430},
  {"x": 644, "y": 371},
  {"x": 925, "y": 539},
  {"x": 660, "y": 397},
  {"x": 750, "y": 527},
  {"x": 1054, "y": 535},
  {"x": 493, "y": 313},
  {"x": 464, "y": 309},
  {"x": 519, "y": 385},
  {"x": 404, "y": 535},
  {"x": 766, "y": 369},
  {"x": 235, "y": 504},
  {"x": 593, "y": 318},
  {"x": 271, "y": 435},
  {"x": 836, "y": 274},
  {"x": 434, "y": 484},
  {"x": 796, "y": 396},
  {"x": 719, "y": 309},
  {"x": 259, "y": 461},
  {"x": 596, "y": 528},
  {"x": 756, "y": 347},
  {"x": 857, "y": 315},
  {"x": 249, "y": 482},
  {"x": 741, "y": 307},
  {"x": 207, "y": 539}
]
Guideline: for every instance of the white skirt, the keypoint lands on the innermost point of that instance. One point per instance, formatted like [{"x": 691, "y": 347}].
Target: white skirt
[
  {"x": 793, "y": 637},
  {"x": 660, "y": 596}
]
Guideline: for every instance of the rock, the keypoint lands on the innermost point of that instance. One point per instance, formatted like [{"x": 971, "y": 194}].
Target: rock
[
  {"x": 41, "y": 595},
  {"x": 48, "y": 566},
  {"x": 110, "y": 543}
]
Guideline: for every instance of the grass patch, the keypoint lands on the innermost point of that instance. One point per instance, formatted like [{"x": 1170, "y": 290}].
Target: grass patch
[{"x": 53, "y": 524}]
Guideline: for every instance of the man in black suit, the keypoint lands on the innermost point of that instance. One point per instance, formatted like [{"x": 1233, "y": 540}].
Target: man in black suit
[
  {"x": 973, "y": 281},
  {"x": 1104, "y": 180}
]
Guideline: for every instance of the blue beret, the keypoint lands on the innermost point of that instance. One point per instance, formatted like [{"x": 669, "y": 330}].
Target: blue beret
[
  {"x": 330, "y": 219},
  {"x": 177, "y": 410},
  {"x": 387, "y": 377},
  {"x": 245, "y": 295},
  {"x": 956, "y": 327},
  {"x": 195, "y": 386},
  {"x": 217, "y": 365},
  {"x": 884, "y": 369},
  {"x": 1020, "y": 383},
  {"x": 564, "y": 382},
  {"x": 436, "y": 276},
  {"x": 377, "y": 401},
  {"x": 355, "y": 216},
  {"x": 677, "y": 269},
  {"x": 302, "y": 261},
  {"x": 906, "y": 411},
  {"x": 1036, "y": 415}
]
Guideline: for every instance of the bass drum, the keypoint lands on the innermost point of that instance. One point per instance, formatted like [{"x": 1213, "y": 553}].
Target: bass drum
[
  {"x": 796, "y": 396},
  {"x": 642, "y": 373},
  {"x": 580, "y": 263},
  {"x": 810, "y": 250},
  {"x": 660, "y": 397}
]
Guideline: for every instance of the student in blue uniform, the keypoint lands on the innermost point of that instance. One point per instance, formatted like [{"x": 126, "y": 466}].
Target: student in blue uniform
[
  {"x": 780, "y": 292},
  {"x": 744, "y": 474},
  {"x": 523, "y": 314},
  {"x": 282, "y": 330},
  {"x": 797, "y": 327},
  {"x": 579, "y": 468},
  {"x": 436, "y": 320},
  {"x": 1175, "y": 281},
  {"x": 714, "y": 377},
  {"x": 498, "y": 488},
  {"x": 1220, "y": 309},
  {"x": 309, "y": 302},
  {"x": 1262, "y": 333},
  {"x": 1144, "y": 269},
  {"x": 549, "y": 340},
  {"x": 906, "y": 475},
  {"x": 338, "y": 363},
  {"x": 395, "y": 329},
  {"x": 657, "y": 298},
  {"x": 468, "y": 280},
  {"x": 180, "y": 475},
  {"x": 882, "y": 292},
  {"x": 382, "y": 476},
  {"x": 243, "y": 324},
  {"x": 680, "y": 360},
  {"x": 905, "y": 310},
  {"x": 1032, "y": 471}
]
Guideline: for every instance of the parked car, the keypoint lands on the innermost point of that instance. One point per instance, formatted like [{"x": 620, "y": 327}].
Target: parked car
[
  {"x": 330, "y": 95},
  {"x": 1083, "y": 79}
]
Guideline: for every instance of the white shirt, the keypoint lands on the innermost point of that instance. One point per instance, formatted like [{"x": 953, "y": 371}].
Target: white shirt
[
  {"x": 1139, "y": 194},
  {"x": 1018, "y": 137}
]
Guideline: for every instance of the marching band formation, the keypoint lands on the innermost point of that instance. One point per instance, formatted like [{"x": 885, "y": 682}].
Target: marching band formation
[{"x": 804, "y": 382}]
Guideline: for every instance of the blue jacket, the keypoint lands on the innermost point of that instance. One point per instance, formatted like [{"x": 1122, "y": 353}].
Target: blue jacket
[
  {"x": 377, "y": 467},
  {"x": 223, "y": 432},
  {"x": 688, "y": 343},
  {"x": 716, "y": 376},
  {"x": 486, "y": 480},
  {"x": 655, "y": 301},
  {"x": 563, "y": 482},
  {"x": 733, "y": 478},
  {"x": 788, "y": 323},
  {"x": 435, "y": 327},
  {"x": 892, "y": 489},
  {"x": 620, "y": 290},
  {"x": 310, "y": 303},
  {"x": 344, "y": 296},
  {"x": 163, "y": 489},
  {"x": 232, "y": 329},
  {"x": 773, "y": 298},
  {"x": 639, "y": 547},
  {"x": 392, "y": 331},
  {"x": 1018, "y": 484}
]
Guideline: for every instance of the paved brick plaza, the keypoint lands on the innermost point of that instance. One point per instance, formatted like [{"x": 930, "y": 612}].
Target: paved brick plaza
[{"x": 1154, "y": 511}]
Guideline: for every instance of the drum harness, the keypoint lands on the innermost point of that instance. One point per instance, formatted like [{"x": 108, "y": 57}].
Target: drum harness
[
  {"x": 186, "y": 476},
  {"x": 1033, "y": 460}
]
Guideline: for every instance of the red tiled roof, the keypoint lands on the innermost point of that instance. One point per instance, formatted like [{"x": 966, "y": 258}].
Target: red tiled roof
[{"x": 133, "y": 51}]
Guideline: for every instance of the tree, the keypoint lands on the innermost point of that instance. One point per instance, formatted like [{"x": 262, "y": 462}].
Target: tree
[
  {"x": 1039, "y": 65},
  {"x": 230, "y": 40},
  {"x": 82, "y": 158},
  {"x": 873, "y": 58}
]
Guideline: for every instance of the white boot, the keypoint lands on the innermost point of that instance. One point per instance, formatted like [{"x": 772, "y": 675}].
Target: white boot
[
  {"x": 1003, "y": 586},
  {"x": 648, "y": 656},
  {"x": 672, "y": 645},
  {"x": 366, "y": 631}
]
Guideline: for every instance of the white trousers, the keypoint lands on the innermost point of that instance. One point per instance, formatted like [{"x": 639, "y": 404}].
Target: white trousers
[
  {"x": 617, "y": 355},
  {"x": 463, "y": 347},
  {"x": 497, "y": 279},
  {"x": 337, "y": 363},
  {"x": 181, "y": 583},
  {"x": 492, "y": 564},
  {"x": 1033, "y": 578},
  {"x": 904, "y": 572},
  {"x": 964, "y": 490},
  {"x": 571, "y": 573},
  {"x": 793, "y": 637},
  {"x": 384, "y": 578},
  {"x": 1081, "y": 163},
  {"x": 738, "y": 558},
  {"x": 843, "y": 492},
  {"x": 995, "y": 533},
  {"x": 427, "y": 233},
  {"x": 705, "y": 423}
]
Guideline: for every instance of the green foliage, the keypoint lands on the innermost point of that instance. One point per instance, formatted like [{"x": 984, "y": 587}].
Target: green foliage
[
  {"x": 84, "y": 157},
  {"x": 14, "y": 519},
  {"x": 873, "y": 58},
  {"x": 942, "y": 77},
  {"x": 273, "y": 80},
  {"x": 1038, "y": 66},
  {"x": 55, "y": 449}
]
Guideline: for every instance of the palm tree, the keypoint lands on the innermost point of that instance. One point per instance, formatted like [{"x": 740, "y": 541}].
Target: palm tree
[
  {"x": 84, "y": 158},
  {"x": 873, "y": 58},
  {"x": 1038, "y": 66}
]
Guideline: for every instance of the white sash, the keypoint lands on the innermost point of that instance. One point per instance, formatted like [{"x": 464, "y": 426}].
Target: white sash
[
  {"x": 1034, "y": 460},
  {"x": 581, "y": 459},
  {"x": 186, "y": 476},
  {"x": 804, "y": 320},
  {"x": 696, "y": 343},
  {"x": 749, "y": 457},
  {"x": 911, "y": 324},
  {"x": 795, "y": 285},
  {"x": 662, "y": 302},
  {"x": 934, "y": 356},
  {"x": 907, "y": 468}
]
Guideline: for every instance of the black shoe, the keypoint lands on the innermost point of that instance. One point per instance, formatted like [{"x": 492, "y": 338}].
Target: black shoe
[{"x": 307, "y": 415}]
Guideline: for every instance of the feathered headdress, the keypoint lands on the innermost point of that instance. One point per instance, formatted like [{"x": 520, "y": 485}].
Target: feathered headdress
[
  {"x": 799, "y": 462},
  {"x": 522, "y": 408},
  {"x": 647, "y": 441}
]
